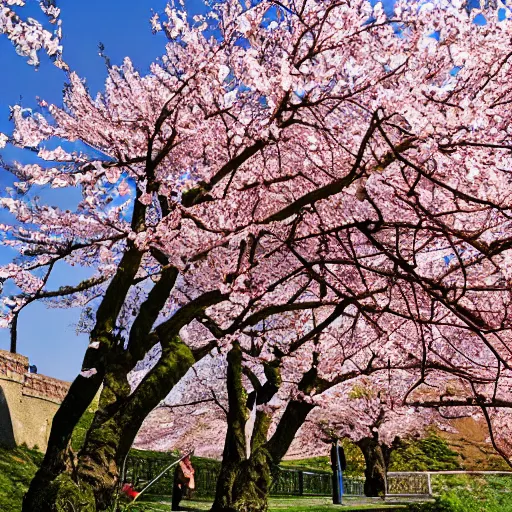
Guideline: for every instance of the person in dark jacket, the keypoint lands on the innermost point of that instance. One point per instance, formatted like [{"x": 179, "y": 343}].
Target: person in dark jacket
[{"x": 337, "y": 452}]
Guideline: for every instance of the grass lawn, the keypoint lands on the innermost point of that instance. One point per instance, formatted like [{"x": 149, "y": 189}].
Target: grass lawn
[
  {"x": 160, "y": 504},
  {"x": 18, "y": 466},
  {"x": 465, "y": 493},
  {"x": 325, "y": 504}
]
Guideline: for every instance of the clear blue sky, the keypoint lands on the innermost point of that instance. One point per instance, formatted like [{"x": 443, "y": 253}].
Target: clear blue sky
[{"x": 47, "y": 336}]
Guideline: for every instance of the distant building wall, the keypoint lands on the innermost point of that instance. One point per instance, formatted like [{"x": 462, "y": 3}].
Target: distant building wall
[{"x": 28, "y": 402}]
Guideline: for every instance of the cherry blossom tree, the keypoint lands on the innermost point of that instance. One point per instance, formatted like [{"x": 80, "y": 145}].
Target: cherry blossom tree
[
  {"x": 29, "y": 35},
  {"x": 280, "y": 158},
  {"x": 369, "y": 409},
  {"x": 274, "y": 381},
  {"x": 370, "y": 413},
  {"x": 263, "y": 389}
]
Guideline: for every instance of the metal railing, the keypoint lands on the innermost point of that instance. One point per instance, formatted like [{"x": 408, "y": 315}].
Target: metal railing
[
  {"x": 140, "y": 470},
  {"x": 288, "y": 482},
  {"x": 405, "y": 483},
  {"x": 292, "y": 482},
  {"x": 419, "y": 483}
]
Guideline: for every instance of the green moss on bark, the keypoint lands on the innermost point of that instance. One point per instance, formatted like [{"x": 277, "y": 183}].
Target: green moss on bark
[
  {"x": 65, "y": 495},
  {"x": 245, "y": 486}
]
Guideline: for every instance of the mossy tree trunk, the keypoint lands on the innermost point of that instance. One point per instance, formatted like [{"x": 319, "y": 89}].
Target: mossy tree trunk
[
  {"x": 246, "y": 474},
  {"x": 58, "y": 459},
  {"x": 113, "y": 431},
  {"x": 234, "y": 447},
  {"x": 98, "y": 458},
  {"x": 375, "y": 483}
]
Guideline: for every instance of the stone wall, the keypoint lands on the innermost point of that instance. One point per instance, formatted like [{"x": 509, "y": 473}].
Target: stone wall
[{"x": 28, "y": 402}]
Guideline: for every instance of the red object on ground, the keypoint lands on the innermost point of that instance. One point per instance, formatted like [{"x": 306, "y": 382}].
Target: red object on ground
[{"x": 130, "y": 491}]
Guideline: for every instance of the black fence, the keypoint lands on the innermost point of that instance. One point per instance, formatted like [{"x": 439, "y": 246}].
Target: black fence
[
  {"x": 353, "y": 486},
  {"x": 288, "y": 482},
  {"x": 141, "y": 470}
]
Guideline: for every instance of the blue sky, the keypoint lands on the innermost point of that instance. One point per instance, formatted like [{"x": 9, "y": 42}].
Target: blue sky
[{"x": 47, "y": 336}]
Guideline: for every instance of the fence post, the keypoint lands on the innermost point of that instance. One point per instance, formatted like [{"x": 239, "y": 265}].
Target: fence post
[
  {"x": 301, "y": 483},
  {"x": 429, "y": 481},
  {"x": 136, "y": 471}
]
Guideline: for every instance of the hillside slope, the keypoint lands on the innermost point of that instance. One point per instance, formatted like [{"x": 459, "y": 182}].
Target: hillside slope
[
  {"x": 17, "y": 467},
  {"x": 475, "y": 452}
]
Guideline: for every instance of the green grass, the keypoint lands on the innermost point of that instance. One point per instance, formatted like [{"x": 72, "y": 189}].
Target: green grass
[
  {"x": 325, "y": 505},
  {"x": 276, "y": 505},
  {"x": 17, "y": 467}
]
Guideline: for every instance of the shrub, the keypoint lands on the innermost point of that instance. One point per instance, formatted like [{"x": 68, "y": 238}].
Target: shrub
[{"x": 431, "y": 453}]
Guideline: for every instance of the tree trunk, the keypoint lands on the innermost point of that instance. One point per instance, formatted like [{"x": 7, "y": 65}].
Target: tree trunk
[
  {"x": 97, "y": 465},
  {"x": 235, "y": 443},
  {"x": 375, "y": 483},
  {"x": 120, "y": 414},
  {"x": 58, "y": 458},
  {"x": 84, "y": 482},
  {"x": 245, "y": 486},
  {"x": 244, "y": 482},
  {"x": 53, "y": 478},
  {"x": 115, "y": 425},
  {"x": 109, "y": 442}
]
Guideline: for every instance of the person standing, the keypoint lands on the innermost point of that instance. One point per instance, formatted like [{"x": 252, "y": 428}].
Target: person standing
[
  {"x": 183, "y": 482},
  {"x": 338, "y": 465}
]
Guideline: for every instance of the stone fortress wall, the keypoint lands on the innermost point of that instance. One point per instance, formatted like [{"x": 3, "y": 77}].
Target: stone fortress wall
[{"x": 28, "y": 402}]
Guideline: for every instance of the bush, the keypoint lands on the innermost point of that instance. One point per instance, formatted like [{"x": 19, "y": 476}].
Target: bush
[
  {"x": 466, "y": 493},
  {"x": 442, "y": 504},
  {"x": 431, "y": 453}
]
